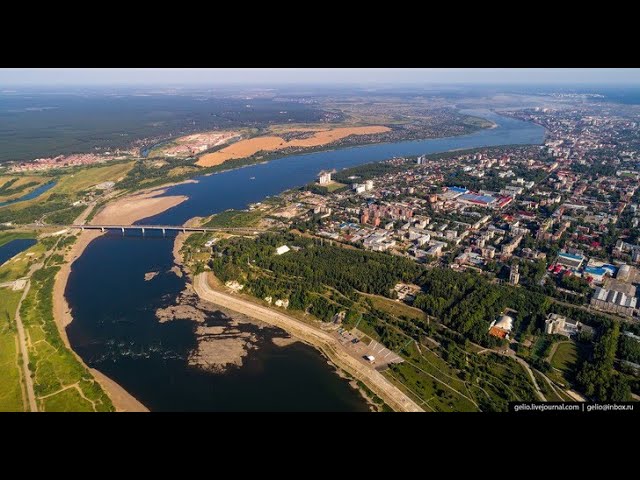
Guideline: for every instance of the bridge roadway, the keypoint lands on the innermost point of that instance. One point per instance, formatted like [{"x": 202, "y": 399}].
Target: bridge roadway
[
  {"x": 143, "y": 228},
  {"x": 163, "y": 228}
]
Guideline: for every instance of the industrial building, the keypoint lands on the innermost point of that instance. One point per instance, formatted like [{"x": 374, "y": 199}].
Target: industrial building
[{"x": 616, "y": 297}]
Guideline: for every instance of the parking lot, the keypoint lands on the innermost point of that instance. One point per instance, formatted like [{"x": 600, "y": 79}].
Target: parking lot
[{"x": 359, "y": 349}]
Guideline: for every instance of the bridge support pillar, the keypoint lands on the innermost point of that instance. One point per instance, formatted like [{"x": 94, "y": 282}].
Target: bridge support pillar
[
  {"x": 163, "y": 232},
  {"x": 184, "y": 230},
  {"x": 142, "y": 231},
  {"x": 122, "y": 228},
  {"x": 82, "y": 228},
  {"x": 102, "y": 228}
]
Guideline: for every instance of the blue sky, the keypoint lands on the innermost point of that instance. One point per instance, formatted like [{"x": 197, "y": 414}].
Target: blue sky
[{"x": 237, "y": 76}]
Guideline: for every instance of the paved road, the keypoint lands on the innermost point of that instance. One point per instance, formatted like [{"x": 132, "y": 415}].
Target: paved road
[
  {"x": 24, "y": 350},
  {"x": 379, "y": 384}
]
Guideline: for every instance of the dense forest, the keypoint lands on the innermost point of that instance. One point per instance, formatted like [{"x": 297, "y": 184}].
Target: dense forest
[
  {"x": 597, "y": 377},
  {"x": 468, "y": 303},
  {"x": 629, "y": 349},
  {"x": 316, "y": 265}
]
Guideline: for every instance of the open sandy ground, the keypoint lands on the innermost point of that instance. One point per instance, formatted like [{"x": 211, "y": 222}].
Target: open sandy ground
[
  {"x": 271, "y": 143},
  {"x": 126, "y": 210},
  {"x": 194, "y": 143}
]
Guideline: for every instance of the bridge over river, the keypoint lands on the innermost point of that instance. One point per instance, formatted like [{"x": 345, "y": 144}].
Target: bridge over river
[
  {"x": 143, "y": 228},
  {"x": 165, "y": 228}
]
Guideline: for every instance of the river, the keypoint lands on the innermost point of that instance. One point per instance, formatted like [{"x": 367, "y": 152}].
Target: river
[
  {"x": 14, "y": 247},
  {"x": 36, "y": 192},
  {"x": 115, "y": 328}
]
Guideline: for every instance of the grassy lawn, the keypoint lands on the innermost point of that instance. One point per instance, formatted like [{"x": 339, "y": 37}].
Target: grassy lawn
[
  {"x": 88, "y": 177},
  {"x": 54, "y": 366},
  {"x": 434, "y": 381},
  {"x": 502, "y": 379},
  {"x": 333, "y": 186},
  {"x": 10, "y": 372},
  {"x": 6, "y": 237},
  {"x": 548, "y": 392},
  {"x": 68, "y": 400},
  {"x": 541, "y": 347},
  {"x": 175, "y": 172},
  {"x": 565, "y": 356},
  {"x": 434, "y": 393},
  {"x": 235, "y": 219},
  {"x": 566, "y": 360},
  {"x": 397, "y": 309}
]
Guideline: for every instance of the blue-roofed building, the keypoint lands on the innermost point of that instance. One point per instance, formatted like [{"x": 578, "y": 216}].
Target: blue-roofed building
[
  {"x": 597, "y": 273},
  {"x": 570, "y": 260},
  {"x": 458, "y": 189}
]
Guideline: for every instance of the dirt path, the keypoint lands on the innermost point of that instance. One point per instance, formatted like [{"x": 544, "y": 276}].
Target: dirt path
[
  {"x": 525, "y": 365},
  {"x": 31, "y": 396},
  {"x": 381, "y": 386}
]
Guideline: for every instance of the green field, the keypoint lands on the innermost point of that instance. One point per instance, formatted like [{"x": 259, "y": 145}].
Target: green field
[
  {"x": 547, "y": 391},
  {"x": 565, "y": 357},
  {"x": 55, "y": 205},
  {"x": 432, "y": 380},
  {"x": 333, "y": 186},
  {"x": 235, "y": 219},
  {"x": 396, "y": 308},
  {"x": 88, "y": 177},
  {"x": 10, "y": 372},
  {"x": 61, "y": 382}
]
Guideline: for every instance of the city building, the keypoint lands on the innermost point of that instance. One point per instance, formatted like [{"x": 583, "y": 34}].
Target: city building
[
  {"x": 502, "y": 327},
  {"x": 514, "y": 275},
  {"x": 282, "y": 249},
  {"x": 324, "y": 178},
  {"x": 558, "y": 325},
  {"x": 570, "y": 260},
  {"x": 615, "y": 297}
]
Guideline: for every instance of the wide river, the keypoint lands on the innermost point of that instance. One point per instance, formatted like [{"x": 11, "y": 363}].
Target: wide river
[{"x": 115, "y": 328}]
